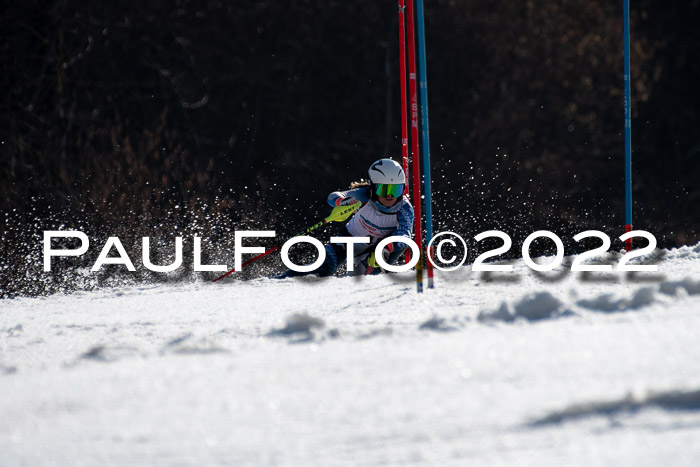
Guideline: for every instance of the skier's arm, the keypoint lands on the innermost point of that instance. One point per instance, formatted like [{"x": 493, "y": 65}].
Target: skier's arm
[
  {"x": 394, "y": 250},
  {"x": 405, "y": 217},
  {"x": 405, "y": 227},
  {"x": 337, "y": 197}
]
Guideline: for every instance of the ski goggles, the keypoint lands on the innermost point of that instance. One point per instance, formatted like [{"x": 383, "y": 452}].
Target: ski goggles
[{"x": 385, "y": 189}]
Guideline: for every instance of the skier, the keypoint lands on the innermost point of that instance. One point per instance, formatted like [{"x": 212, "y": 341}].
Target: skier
[{"x": 385, "y": 212}]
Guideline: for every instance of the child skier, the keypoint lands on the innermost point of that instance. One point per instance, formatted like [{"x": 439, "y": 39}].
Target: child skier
[{"x": 385, "y": 212}]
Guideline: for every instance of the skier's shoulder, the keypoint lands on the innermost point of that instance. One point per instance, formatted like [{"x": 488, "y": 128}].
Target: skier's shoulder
[{"x": 405, "y": 205}]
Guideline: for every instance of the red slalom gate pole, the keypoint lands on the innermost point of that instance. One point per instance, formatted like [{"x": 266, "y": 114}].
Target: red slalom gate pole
[
  {"x": 415, "y": 150},
  {"x": 402, "y": 75}
]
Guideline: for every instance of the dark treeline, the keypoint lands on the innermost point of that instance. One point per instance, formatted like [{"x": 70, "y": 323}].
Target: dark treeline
[{"x": 136, "y": 117}]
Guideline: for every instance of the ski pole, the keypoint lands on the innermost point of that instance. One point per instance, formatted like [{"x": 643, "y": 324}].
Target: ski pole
[{"x": 338, "y": 214}]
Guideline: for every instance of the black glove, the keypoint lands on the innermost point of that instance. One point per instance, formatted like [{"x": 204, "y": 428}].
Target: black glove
[{"x": 393, "y": 251}]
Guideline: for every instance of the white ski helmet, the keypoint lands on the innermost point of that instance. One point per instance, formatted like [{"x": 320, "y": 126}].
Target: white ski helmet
[
  {"x": 387, "y": 171},
  {"x": 387, "y": 174}
]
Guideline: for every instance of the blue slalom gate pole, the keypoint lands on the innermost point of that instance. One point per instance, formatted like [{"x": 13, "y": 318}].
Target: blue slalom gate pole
[
  {"x": 628, "y": 124},
  {"x": 425, "y": 133}
]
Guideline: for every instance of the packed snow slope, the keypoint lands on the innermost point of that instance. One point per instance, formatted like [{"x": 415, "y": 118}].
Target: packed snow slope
[{"x": 517, "y": 368}]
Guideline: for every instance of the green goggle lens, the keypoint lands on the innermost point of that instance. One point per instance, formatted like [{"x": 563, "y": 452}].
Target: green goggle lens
[{"x": 386, "y": 189}]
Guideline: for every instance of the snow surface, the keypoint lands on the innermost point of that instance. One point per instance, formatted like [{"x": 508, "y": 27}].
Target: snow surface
[{"x": 516, "y": 368}]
